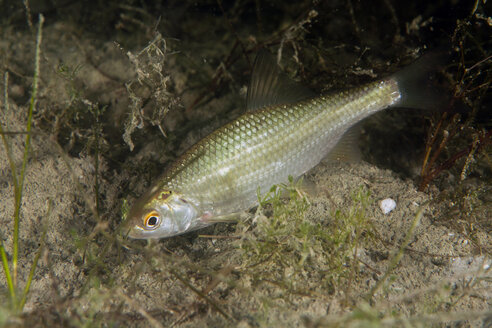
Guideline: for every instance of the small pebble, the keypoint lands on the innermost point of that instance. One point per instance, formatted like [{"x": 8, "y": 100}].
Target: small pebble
[{"x": 387, "y": 205}]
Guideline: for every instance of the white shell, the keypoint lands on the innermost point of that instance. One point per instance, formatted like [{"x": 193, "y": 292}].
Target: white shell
[{"x": 387, "y": 205}]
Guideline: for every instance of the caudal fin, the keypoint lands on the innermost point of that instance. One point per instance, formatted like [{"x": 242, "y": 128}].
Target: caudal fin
[{"x": 419, "y": 85}]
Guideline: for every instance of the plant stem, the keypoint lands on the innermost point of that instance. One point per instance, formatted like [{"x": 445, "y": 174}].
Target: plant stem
[
  {"x": 33, "y": 266},
  {"x": 20, "y": 181},
  {"x": 6, "y": 269},
  {"x": 10, "y": 157}
]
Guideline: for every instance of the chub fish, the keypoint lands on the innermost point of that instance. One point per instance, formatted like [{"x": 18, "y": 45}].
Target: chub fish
[{"x": 286, "y": 131}]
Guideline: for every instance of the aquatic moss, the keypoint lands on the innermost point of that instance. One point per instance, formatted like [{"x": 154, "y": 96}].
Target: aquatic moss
[{"x": 301, "y": 254}]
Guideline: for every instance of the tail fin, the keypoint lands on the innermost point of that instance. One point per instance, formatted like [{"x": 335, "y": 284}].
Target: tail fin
[{"x": 418, "y": 83}]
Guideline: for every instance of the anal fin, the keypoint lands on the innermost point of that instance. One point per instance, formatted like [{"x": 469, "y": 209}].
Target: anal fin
[{"x": 347, "y": 149}]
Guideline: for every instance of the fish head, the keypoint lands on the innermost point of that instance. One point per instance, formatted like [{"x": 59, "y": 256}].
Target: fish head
[{"x": 160, "y": 213}]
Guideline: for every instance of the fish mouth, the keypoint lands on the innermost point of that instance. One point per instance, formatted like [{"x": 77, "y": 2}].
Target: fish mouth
[
  {"x": 129, "y": 230},
  {"x": 134, "y": 232}
]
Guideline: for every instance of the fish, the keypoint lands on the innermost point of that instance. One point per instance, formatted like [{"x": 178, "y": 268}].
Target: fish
[{"x": 286, "y": 131}]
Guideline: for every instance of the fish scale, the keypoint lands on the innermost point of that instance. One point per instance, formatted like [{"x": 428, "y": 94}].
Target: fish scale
[{"x": 223, "y": 171}]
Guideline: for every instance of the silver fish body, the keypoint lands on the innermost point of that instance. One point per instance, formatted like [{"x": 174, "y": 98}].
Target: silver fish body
[{"x": 221, "y": 174}]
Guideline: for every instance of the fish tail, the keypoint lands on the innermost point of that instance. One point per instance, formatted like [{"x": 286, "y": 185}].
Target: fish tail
[{"x": 419, "y": 85}]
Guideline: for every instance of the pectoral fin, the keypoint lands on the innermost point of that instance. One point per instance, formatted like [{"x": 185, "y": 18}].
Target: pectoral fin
[{"x": 227, "y": 218}]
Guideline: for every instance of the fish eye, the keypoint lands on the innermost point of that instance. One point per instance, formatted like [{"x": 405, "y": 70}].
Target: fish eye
[{"x": 151, "y": 220}]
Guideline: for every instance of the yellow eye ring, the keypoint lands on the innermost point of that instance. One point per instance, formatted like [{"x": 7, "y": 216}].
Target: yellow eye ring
[{"x": 152, "y": 220}]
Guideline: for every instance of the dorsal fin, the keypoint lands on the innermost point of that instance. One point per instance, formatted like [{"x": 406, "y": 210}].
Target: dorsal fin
[{"x": 270, "y": 86}]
